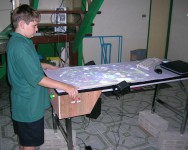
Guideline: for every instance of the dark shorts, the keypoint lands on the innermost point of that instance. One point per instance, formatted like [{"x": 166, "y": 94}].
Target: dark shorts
[{"x": 31, "y": 133}]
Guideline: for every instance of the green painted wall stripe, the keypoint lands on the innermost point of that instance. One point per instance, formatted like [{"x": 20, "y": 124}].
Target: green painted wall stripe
[
  {"x": 87, "y": 21},
  {"x": 169, "y": 27},
  {"x": 4, "y": 35},
  {"x": 84, "y": 27},
  {"x": 35, "y": 4},
  {"x": 3, "y": 67}
]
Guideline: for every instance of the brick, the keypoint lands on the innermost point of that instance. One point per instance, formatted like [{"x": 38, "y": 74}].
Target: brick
[
  {"x": 173, "y": 140},
  {"x": 152, "y": 123}
]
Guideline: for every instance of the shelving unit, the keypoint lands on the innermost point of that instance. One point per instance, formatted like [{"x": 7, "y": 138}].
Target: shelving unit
[
  {"x": 75, "y": 38},
  {"x": 76, "y": 12}
]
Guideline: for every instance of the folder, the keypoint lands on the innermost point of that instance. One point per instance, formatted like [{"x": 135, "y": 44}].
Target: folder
[{"x": 178, "y": 67}]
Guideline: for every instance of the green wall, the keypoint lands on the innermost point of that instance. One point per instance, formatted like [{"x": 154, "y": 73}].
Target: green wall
[{"x": 3, "y": 67}]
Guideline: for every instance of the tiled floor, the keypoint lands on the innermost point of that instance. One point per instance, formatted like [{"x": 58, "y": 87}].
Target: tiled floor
[{"x": 115, "y": 129}]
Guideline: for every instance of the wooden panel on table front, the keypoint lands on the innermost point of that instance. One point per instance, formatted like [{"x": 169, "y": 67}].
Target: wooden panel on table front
[{"x": 65, "y": 107}]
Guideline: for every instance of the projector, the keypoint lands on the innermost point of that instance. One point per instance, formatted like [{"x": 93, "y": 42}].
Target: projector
[{"x": 60, "y": 18}]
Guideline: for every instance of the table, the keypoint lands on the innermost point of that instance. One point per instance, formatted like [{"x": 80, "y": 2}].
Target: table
[{"x": 92, "y": 80}]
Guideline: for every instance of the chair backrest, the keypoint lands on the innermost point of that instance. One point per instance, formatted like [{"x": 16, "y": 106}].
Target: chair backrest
[{"x": 138, "y": 54}]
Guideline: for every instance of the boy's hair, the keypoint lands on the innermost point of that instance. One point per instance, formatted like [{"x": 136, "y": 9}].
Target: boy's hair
[{"x": 26, "y": 13}]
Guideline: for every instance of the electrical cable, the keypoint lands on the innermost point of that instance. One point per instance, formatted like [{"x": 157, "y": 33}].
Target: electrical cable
[
  {"x": 53, "y": 14},
  {"x": 61, "y": 3},
  {"x": 133, "y": 114},
  {"x": 84, "y": 126},
  {"x": 122, "y": 114},
  {"x": 66, "y": 32},
  {"x": 111, "y": 128},
  {"x": 84, "y": 123},
  {"x": 87, "y": 147},
  {"x": 81, "y": 141},
  {"x": 55, "y": 21}
]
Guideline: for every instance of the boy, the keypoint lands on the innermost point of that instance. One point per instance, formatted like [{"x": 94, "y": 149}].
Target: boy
[{"x": 29, "y": 97}]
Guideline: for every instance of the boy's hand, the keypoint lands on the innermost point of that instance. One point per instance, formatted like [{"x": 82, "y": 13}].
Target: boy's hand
[
  {"x": 71, "y": 90},
  {"x": 49, "y": 66}
]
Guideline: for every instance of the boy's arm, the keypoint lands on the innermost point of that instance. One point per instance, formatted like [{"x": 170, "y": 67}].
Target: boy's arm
[{"x": 50, "y": 83}]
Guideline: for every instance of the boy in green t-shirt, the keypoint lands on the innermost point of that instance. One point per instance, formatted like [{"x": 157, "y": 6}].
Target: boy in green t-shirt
[{"x": 29, "y": 96}]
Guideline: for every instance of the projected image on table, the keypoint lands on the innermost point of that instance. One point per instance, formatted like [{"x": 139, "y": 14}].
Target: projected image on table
[{"x": 98, "y": 75}]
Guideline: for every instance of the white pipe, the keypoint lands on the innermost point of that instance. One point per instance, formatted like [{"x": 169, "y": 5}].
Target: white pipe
[{"x": 15, "y": 3}]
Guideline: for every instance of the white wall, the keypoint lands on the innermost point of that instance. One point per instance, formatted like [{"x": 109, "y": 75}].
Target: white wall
[
  {"x": 178, "y": 44},
  {"x": 5, "y": 11},
  {"x": 47, "y": 4},
  {"x": 119, "y": 17}
]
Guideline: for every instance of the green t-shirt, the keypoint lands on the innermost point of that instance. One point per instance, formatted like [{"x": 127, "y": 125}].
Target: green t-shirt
[{"x": 28, "y": 99}]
